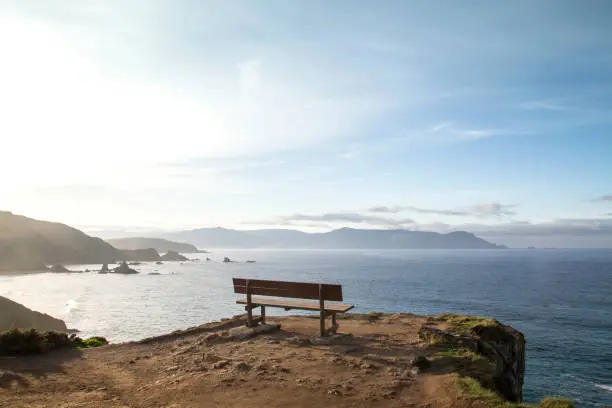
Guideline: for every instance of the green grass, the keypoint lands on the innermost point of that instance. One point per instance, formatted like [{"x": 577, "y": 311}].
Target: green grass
[
  {"x": 91, "y": 342},
  {"x": 466, "y": 323},
  {"x": 556, "y": 402},
  {"x": 457, "y": 353},
  {"x": 470, "y": 388}
]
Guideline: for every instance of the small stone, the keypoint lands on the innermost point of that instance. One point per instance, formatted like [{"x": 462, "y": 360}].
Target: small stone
[
  {"x": 242, "y": 366},
  {"x": 299, "y": 341},
  {"x": 172, "y": 368},
  {"x": 221, "y": 364}
]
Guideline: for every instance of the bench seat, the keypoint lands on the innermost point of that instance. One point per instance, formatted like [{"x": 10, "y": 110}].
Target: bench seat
[{"x": 296, "y": 304}]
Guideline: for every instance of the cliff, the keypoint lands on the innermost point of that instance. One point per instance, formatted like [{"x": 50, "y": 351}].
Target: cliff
[
  {"x": 16, "y": 316},
  {"x": 481, "y": 349},
  {"x": 29, "y": 244},
  {"x": 159, "y": 244},
  {"x": 381, "y": 360}
]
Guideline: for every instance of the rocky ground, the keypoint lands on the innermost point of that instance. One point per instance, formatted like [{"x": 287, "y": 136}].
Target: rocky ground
[{"x": 224, "y": 364}]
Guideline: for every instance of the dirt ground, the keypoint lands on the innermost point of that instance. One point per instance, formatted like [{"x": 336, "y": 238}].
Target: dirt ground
[{"x": 218, "y": 365}]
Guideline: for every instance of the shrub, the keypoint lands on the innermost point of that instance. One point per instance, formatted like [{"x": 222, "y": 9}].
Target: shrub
[
  {"x": 31, "y": 341},
  {"x": 91, "y": 342}
]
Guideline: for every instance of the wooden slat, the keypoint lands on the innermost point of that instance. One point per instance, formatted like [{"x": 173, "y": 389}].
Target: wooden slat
[
  {"x": 297, "y": 304},
  {"x": 298, "y": 290}
]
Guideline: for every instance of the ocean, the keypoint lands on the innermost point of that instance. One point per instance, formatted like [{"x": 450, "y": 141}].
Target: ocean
[{"x": 560, "y": 299}]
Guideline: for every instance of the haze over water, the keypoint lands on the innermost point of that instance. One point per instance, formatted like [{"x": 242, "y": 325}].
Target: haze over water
[{"x": 560, "y": 299}]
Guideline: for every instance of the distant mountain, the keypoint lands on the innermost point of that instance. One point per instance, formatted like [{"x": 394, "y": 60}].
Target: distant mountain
[
  {"x": 159, "y": 244},
  {"x": 28, "y": 244},
  {"x": 141, "y": 255},
  {"x": 344, "y": 238}
]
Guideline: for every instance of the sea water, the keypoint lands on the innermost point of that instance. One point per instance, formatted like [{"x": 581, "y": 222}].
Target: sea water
[{"x": 560, "y": 299}]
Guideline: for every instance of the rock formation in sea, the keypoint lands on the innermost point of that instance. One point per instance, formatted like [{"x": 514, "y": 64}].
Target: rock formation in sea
[
  {"x": 59, "y": 268},
  {"x": 173, "y": 256},
  {"x": 123, "y": 268}
]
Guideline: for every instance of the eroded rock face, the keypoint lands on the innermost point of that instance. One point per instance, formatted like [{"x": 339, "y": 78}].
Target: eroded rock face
[
  {"x": 507, "y": 348},
  {"x": 502, "y": 345},
  {"x": 173, "y": 256}
]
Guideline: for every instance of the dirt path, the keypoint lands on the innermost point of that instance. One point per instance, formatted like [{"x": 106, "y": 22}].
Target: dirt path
[{"x": 212, "y": 367}]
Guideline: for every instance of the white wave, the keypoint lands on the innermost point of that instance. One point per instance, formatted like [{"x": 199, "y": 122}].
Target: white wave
[
  {"x": 71, "y": 305},
  {"x": 604, "y": 387}
]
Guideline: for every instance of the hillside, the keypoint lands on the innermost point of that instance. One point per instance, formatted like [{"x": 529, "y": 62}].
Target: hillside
[
  {"x": 344, "y": 238},
  {"x": 15, "y": 315},
  {"x": 28, "y": 244},
  {"x": 395, "y": 360},
  {"x": 159, "y": 244}
]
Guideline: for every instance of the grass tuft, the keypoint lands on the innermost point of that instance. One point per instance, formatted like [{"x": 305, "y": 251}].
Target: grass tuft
[
  {"x": 466, "y": 324},
  {"x": 556, "y": 402},
  {"x": 91, "y": 342}
]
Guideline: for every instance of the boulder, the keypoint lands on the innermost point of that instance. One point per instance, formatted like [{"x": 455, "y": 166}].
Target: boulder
[
  {"x": 227, "y": 260},
  {"x": 124, "y": 269},
  {"x": 59, "y": 268},
  {"x": 173, "y": 256},
  {"x": 104, "y": 268}
]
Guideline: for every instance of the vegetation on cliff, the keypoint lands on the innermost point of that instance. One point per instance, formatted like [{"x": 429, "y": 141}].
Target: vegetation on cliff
[{"x": 32, "y": 341}]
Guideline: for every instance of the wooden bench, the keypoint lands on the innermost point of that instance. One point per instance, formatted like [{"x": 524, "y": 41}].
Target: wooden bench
[{"x": 296, "y": 290}]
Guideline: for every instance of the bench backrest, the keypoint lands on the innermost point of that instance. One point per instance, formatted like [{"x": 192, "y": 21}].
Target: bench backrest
[{"x": 298, "y": 290}]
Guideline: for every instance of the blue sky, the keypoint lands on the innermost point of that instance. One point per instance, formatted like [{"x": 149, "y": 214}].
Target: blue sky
[{"x": 156, "y": 115}]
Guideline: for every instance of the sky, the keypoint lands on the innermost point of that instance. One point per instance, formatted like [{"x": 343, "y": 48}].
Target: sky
[{"x": 492, "y": 117}]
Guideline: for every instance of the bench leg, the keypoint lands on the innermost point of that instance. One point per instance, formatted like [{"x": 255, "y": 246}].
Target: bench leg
[
  {"x": 249, "y": 305},
  {"x": 322, "y": 310},
  {"x": 322, "y": 323},
  {"x": 334, "y": 320},
  {"x": 249, "y": 316},
  {"x": 263, "y": 314}
]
